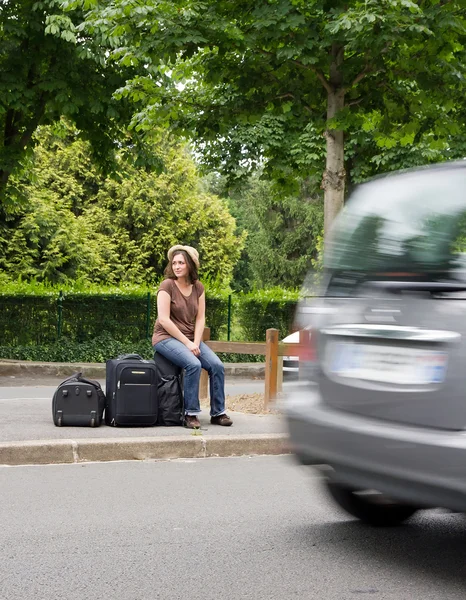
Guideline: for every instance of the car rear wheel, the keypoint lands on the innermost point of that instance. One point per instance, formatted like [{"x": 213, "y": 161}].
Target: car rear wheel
[{"x": 370, "y": 506}]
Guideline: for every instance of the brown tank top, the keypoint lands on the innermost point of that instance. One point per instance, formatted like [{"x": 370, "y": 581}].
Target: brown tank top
[{"x": 183, "y": 310}]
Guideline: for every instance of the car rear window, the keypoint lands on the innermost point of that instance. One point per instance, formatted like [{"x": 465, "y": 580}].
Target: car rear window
[{"x": 411, "y": 225}]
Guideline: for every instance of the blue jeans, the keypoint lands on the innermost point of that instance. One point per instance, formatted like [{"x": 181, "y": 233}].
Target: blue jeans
[{"x": 177, "y": 352}]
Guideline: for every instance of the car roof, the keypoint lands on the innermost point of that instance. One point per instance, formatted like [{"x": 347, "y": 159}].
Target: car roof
[{"x": 449, "y": 164}]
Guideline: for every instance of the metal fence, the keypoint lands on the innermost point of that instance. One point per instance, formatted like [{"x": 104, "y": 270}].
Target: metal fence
[{"x": 34, "y": 320}]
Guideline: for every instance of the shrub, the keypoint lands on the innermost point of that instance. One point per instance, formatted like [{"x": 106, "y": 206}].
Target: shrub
[
  {"x": 97, "y": 350},
  {"x": 260, "y": 310},
  {"x": 87, "y": 323}
]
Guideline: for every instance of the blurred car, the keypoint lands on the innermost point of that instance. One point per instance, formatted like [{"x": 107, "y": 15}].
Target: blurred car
[
  {"x": 383, "y": 411},
  {"x": 291, "y": 363}
]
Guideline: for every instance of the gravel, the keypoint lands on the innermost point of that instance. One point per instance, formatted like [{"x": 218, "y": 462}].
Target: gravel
[{"x": 246, "y": 403}]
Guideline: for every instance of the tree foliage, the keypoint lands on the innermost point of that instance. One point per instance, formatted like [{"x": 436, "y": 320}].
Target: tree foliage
[
  {"x": 47, "y": 71},
  {"x": 79, "y": 224},
  {"x": 282, "y": 232},
  {"x": 286, "y": 80}
]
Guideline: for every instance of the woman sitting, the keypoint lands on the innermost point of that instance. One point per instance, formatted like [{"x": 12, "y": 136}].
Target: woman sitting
[{"x": 178, "y": 334}]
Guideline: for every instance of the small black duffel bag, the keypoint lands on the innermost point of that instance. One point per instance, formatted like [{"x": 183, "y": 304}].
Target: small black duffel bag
[{"x": 79, "y": 402}]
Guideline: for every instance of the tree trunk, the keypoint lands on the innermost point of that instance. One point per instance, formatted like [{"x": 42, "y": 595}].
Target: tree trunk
[
  {"x": 17, "y": 137},
  {"x": 333, "y": 181}
]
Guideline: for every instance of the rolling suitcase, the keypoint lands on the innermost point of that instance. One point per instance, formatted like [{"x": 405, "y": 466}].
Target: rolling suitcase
[
  {"x": 169, "y": 392},
  {"x": 131, "y": 390},
  {"x": 78, "y": 401}
]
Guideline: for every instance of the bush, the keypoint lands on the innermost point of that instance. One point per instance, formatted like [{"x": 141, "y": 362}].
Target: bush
[
  {"x": 90, "y": 324},
  {"x": 265, "y": 309},
  {"x": 40, "y": 315},
  {"x": 26, "y": 319},
  {"x": 97, "y": 350}
]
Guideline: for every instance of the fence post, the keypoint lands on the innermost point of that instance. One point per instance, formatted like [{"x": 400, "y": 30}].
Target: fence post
[
  {"x": 229, "y": 318},
  {"x": 60, "y": 314},
  {"x": 148, "y": 316},
  {"x": 271, "y": 366},
  {"x": 204, "y": 376}
]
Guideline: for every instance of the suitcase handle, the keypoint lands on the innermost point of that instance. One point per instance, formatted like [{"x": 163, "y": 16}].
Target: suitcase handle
[
  {"x": 129, "y": 356},
  {"x": 75, "y": 377},
  {"x": 78, "y": 376}
]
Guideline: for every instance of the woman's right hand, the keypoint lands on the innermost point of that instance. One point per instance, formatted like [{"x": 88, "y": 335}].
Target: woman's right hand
[{"x": 194, "y": 348}]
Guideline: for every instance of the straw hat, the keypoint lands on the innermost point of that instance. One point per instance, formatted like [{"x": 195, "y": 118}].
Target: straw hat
[{"x": 193, "y": 253}]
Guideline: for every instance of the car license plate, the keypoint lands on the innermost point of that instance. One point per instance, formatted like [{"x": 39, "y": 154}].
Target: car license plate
[{"x": 386, "y": 364}]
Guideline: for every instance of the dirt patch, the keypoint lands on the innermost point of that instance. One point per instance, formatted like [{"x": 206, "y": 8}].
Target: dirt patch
[{"x": 245, "y": 403}]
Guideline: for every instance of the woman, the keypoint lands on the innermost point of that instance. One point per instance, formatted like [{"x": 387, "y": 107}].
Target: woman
[{"x": 178, "y": 334}]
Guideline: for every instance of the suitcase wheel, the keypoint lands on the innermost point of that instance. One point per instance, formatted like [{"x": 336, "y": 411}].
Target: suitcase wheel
[{"x": 59, "y": 421}]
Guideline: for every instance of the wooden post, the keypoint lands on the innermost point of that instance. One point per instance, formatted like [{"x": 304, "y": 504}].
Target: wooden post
[
  {"x": 271, "y": 366},
  {"x": 203, "y": 392}
]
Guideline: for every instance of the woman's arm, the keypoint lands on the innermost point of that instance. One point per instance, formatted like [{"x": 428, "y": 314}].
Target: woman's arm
[{"x": 200, "y": 321}]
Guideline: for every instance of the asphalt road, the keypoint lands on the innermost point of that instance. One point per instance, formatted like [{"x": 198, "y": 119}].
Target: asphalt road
[{"x": 239, "y": 528}]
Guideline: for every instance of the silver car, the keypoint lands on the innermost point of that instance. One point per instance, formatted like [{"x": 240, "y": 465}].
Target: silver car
[{"x": 381, "y": 403}]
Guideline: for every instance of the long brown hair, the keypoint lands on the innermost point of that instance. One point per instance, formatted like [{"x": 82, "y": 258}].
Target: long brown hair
[{"x": 192, "y": 269}]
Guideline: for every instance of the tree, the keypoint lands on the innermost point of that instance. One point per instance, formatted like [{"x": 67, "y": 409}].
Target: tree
[
  {"x": 283, "y": 231},
  {"x": 78, "y": 224},
  {"x": 266, "y": 79},
  {"x": 46, "y": 71},
  {"x": 366, "y": 158}
]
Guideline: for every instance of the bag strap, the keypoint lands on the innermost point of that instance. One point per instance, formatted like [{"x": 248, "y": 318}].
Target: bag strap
[
  {"x": 75, "y": 377},
  {"x": 78, "y": 376},
  {"x": 129, "y": 356},
  {"x": 93, "y": 382},
  {"x": 181, "y": 393}
]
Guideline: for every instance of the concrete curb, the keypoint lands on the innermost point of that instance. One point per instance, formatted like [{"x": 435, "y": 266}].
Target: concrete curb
[
  {"x": 44, "y": 452},
  {"x": 97, "y": 370}
]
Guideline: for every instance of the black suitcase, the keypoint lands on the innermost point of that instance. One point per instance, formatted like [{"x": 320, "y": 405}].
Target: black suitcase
[
  {"x": 169, "y": 392},
  {"x": 78, "y": 401},
  {"x": 131, "y": 390}
]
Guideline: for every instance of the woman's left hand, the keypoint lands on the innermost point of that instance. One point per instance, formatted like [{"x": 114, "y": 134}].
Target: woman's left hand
[{"x": 194, "y": 348}]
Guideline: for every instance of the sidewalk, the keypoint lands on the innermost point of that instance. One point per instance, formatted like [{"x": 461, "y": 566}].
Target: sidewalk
[{"x": 28, "y": 436}]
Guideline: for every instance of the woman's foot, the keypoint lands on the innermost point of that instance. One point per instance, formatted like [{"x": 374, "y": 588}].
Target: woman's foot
[
  {"x": 191, "y": 422},
  {"x": 221, "y": 420}
]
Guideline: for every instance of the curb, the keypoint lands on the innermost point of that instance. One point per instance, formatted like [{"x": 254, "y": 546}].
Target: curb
[
  {"x": 97, "y": 370},
  {"x": 46, "y": 452}
]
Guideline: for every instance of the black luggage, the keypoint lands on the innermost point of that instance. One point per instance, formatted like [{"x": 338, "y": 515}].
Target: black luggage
[
  {"x": 78, "y": 401},
  {"x": 169, "y": 392},
  {"x": 131, "y": 390}
]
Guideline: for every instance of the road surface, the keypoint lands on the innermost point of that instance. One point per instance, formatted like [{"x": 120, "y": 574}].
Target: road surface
[{"x": 240, "y": 528}]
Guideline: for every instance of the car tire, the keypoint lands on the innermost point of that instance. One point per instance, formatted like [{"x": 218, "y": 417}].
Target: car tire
[{"x": 371, "y": 508}]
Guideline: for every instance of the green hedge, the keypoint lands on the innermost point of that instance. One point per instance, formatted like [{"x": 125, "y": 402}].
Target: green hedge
[
  {"x": 39, "y": 323},
  {"x": 97, "y": 350},
  {"x": 265, "y": 309},
  {"x": 126, "y": 318},
  {"x": 31, "y": 320},
  {"x": 26, "y": 319}
]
